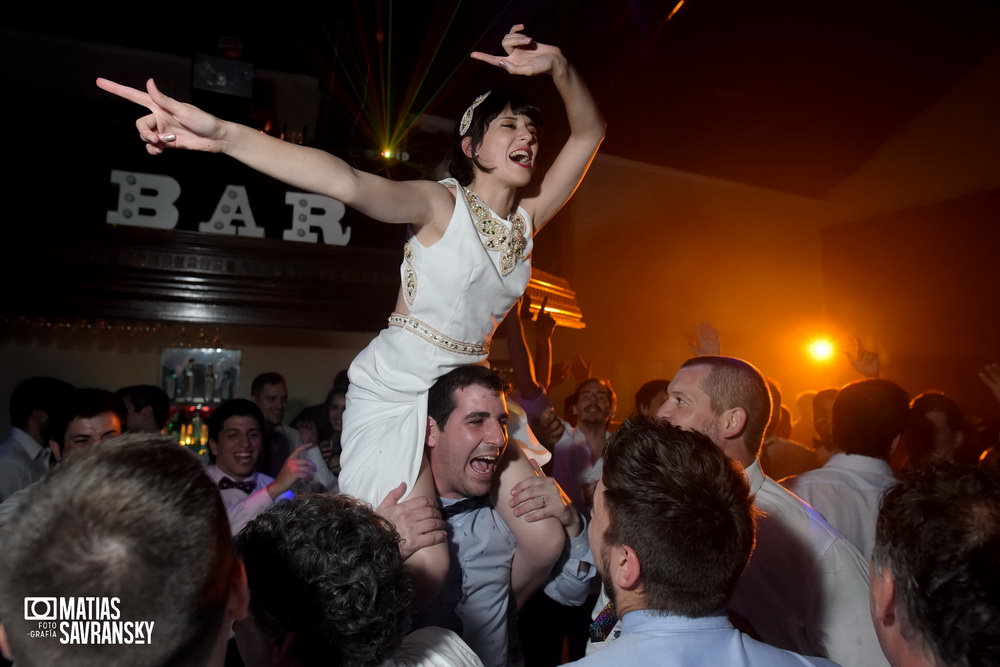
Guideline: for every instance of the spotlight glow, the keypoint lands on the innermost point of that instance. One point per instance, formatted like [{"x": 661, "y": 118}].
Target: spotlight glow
[{"x": 820, "y": 349}]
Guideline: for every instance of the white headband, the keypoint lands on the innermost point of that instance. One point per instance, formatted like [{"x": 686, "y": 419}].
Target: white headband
[{"x": 463, "y": 126}]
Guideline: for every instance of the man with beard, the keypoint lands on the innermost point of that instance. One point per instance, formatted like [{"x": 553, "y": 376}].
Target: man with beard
[
  {"x": 577, "y": 455},
  {"x": 806, "y": 587},
  {"x": 672, "y": 529}
]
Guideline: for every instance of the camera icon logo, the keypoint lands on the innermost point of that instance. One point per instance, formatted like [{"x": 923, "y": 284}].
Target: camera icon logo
[{"x": 40, "y": 609}]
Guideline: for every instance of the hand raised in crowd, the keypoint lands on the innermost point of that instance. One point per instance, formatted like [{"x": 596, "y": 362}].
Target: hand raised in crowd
[
  {"x": 541, "y": 497},
  {"x": 580, "y": 369},
  {"x": 545, "y": 324},
  {"x": 292, "y": 470},
  {"x": 990, "y": 375},
  {"x": 547, "y": 427},
  {"x": 561, "y": 371},
  {"x": 864, "y": 361},
  {"x": 525, "y": 56},
  {"x": 417, "y": 520},
  {"x": 706, "y": 340}
]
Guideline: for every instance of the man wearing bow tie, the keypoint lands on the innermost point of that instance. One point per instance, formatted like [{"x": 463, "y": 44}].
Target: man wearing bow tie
[
  {"x": 235, "y": 434},
  {"x": 488, "y": 577}
]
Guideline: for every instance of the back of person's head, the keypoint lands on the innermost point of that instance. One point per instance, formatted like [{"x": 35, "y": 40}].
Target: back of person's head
[
  {"x": 461, "y": 167},
  {"x": 868, "y": 415},
  {"x": 647, "y": 392},
  {"x": 134, "y": 520},
  {"x": 822, "y": 405},
  {"x": 143, "y": 395},
  {"x": 804, "y": 404},
  {"x": 234, "y": 407},
  {"x": 784, "y": 429},
  {"x": 684, "y": 508},
  {"x": 938, "y": 401},
  {"x": 325, "y": 570},
  {"x": 341, "y": 380},
  {"x": 935, "y": 429},
  {"x": 932, "y": 401},
  {"x": 938, "y": 535},
  {"x": 37, "y": 393},
  {"x": 83, "y": 404},
  {"x": 441, "y": 397},
  {"x": 735, "y": 383},
  {"x": 264, "y": 380}
]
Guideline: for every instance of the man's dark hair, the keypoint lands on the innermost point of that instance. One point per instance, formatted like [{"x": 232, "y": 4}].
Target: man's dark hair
[
  {"x": 37, "y": 393},
  {"x": 938, "y": 534},
  {"x": 441, "y": 397},
  {"x": 327, "y": 569},
  {"x": 648, "y": 391},
  {"x": 937, "y": 401},
  {"x": 83, "y": 404},
  {"x": 234, "y": 407},
  {"x": 462, "y": 167},
  {"x": 684, "y": 507},
  {"x": 735, "y": 383},
  {"x": 265, "y": 379},
  {"x": 142, "y": 395},
  {"x": 868, "y": 415},
  {"x": 133, "y": 517}
]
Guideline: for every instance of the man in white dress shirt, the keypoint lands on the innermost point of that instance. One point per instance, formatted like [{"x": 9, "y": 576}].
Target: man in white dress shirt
[
  {"x": 868, "y": 419},
  {"x": 806, "y": 586}
]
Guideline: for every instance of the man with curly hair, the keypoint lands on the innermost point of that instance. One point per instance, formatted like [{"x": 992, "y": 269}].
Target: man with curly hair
[
  {"x": 327, "y": 587},
  {"x": 935, "y": 582}
]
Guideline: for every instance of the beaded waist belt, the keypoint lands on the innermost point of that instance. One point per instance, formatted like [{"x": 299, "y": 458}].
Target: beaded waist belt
[{"x": 436, "y": 337}]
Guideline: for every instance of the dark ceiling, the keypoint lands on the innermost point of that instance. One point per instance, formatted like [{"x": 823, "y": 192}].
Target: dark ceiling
[{"x": 792, "y": 95}]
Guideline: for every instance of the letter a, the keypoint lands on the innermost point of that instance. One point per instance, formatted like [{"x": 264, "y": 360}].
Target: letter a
[{"x": 233, "y": 205}]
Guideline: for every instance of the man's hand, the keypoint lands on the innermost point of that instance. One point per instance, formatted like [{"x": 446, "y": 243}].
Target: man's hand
[
  {"x": 706, "y": 340},
  {"x": 581, "y": 369},
  {"x": 548, "y": 428},
  {"x": 863, "y": 360},
  {"x": 293, "y": 469},
  {"x": 545, "y": 324},
  {"x": 541, "y": 497},
  {"x": 417, "y": 520},
  {"x": 990, "y": 375}
]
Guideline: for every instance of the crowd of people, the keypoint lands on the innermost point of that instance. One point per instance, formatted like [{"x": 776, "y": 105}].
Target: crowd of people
[{"x": 434, "y": 511}]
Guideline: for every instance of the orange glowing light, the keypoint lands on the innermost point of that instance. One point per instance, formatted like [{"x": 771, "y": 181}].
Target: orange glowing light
[{"x": 820, "y": 349}]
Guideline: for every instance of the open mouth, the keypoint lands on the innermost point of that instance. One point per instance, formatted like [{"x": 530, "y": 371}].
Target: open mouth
[
  {"x": 243, "y": 457},
  {"x": 483, "y": 465},
  {"x": 521, "y": 157}
]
